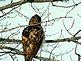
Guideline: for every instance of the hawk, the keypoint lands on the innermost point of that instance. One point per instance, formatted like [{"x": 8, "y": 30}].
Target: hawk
[{"x": 32, "y": 37}]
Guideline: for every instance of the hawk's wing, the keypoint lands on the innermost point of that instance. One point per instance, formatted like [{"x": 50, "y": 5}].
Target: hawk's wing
[{"x": 32, "y": 38}]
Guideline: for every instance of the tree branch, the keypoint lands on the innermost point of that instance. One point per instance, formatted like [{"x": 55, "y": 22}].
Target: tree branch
[
  {"x": 12, "y": 50},
  {"x": 67, "y": 6},
  {"x": 73, "y": 39},
  {"x": 11, "y": 5},
  {"x": 25, "y": 1}
]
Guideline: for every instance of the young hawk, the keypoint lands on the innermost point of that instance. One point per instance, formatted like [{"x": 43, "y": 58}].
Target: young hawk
[{"x": 32, "y": 37}]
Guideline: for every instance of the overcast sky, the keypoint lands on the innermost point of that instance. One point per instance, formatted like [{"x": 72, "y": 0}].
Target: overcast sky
[{"x": 53, "y": 30}]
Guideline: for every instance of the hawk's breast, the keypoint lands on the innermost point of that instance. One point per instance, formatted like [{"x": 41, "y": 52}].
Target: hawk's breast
[{"x": 32, "y": 38}]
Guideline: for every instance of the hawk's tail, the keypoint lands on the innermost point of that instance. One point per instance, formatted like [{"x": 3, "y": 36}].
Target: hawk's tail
[{"x": 27, "y": 59}]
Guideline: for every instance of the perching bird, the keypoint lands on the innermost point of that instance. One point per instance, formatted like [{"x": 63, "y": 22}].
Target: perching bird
[{"x": 32, "y": 38}]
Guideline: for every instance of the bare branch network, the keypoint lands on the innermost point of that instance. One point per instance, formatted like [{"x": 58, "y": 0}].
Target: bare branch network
[
  {"x": 14, "y": 5},
  {"x": 73, "y": 39},
  {"x": 36, "y": 1},
  {"x": 23, "y": 2}
]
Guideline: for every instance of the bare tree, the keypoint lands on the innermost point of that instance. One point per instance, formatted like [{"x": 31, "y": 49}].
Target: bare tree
[{"x": 13, "y": 19}]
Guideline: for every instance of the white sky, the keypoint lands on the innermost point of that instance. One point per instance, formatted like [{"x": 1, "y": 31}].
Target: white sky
[{"x": 27, "y": 10}]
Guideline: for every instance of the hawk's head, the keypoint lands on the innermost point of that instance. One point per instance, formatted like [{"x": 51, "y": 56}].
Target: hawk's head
[{"x": 35, "y": 20}]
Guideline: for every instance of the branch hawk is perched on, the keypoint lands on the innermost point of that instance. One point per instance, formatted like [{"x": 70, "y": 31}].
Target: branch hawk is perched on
[{"x": 32, "y": 37}]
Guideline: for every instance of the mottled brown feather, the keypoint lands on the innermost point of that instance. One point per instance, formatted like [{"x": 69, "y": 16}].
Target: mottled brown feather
[{"x": 32, "y": 38}]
